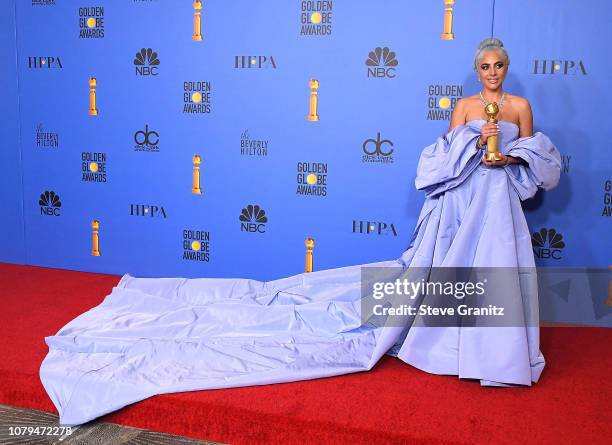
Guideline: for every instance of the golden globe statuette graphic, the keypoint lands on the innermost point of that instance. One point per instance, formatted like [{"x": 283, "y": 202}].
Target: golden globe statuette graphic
[
  {"x": 314, "y": 100},
  {"x": 492, "y": 153},
  {"x": 95, "y": 238},
  {"x": 93, "y": 111},
  {"x": 195, "y": 188},
  {"x": 609, "y": 300},
  {"x": 309, "y": 260},
  {"x": 197, "y": 21},
  {"x": 448, "y": 20}
]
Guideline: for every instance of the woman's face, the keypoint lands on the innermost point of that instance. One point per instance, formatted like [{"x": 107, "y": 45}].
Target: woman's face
[{"x": 492, "y": 69}]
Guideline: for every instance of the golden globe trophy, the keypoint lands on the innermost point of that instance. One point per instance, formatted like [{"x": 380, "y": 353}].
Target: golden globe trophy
[
  {"x": 93, "y": 111},
  {"x": 95, "y": 238},
  {"x": 492, "y": 153},
  {"x": 197, "y": 21},
  {"x": 314, "y": 101},
  {"x": 195, "y": 189},
  {"x": 309, "y": 260},
  {"x": 448, "y": 20}
]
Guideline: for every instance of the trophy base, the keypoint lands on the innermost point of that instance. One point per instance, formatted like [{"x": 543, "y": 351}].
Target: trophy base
[
  {"x": 493, "y": 156},
  {"x": 95, "y": 253},
  {"x": 196, "y": 38},
  {"x": 312, "y": 118},
  {"x": 196, "y": 191},
  {"x": 447, "y": 36},
  {"x": 93, "y": 112}
]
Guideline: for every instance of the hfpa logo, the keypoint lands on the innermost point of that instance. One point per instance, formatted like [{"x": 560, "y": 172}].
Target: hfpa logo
[
  {"x": 374, "y": 228},
  {"x": 254, "y": 62},
  {"x": 565, "y": 67},
  {"x": 547, "y": 243},
  {"x": 44, "y": 62},
  {"x": 152, "y": 211}
]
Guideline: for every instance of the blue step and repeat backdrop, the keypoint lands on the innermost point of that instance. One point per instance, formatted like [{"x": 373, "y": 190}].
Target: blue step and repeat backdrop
[{"x": 182, "y": 138}]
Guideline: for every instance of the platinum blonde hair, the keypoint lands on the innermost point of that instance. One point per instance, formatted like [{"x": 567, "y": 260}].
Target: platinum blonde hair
[{"x": 490, "y": 44}]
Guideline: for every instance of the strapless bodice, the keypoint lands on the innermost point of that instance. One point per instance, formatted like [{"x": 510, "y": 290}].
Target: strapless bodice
[{"x": 508, "y": 131}]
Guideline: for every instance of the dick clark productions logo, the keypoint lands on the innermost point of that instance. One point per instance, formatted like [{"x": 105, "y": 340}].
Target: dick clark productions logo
[{"x": 146, "y": 140}]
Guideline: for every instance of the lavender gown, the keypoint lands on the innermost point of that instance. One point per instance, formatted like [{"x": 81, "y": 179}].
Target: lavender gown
[{"x": 161, "y": 335}]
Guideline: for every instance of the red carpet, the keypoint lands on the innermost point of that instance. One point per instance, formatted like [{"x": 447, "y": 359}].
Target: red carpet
[{"x": 394, "y": 403}]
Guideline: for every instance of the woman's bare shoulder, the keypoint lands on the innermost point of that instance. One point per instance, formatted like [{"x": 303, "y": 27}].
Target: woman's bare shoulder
[{"x": 517, "y": 102}]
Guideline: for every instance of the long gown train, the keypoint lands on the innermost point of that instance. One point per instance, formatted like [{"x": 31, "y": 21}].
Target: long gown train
[{"x": 160, "y": 335}]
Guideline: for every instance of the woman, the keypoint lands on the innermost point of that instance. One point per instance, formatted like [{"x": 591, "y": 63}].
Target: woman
[{"x": 153, "y": 336}]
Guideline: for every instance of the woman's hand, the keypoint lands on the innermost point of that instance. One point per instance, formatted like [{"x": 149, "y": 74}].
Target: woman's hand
[
  {"x": 488, "y": 129},
  {"x": 505, "y": 160}
]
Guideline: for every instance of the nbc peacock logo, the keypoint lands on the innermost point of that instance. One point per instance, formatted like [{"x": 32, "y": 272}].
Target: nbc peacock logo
[
  {"x": 50, "y": 203},
  {"x": 547, "y": 244},
  {"x": 381, "y": 63},
  {"x": 253, "y": 219},
  {"x": 146, "y": 62}
]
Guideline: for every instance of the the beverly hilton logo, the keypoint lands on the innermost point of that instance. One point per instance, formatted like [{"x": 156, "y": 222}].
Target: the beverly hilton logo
[
  {"x": 146, "y": 62},
  {"x": 547, "y": 243},
  {"x": 253, "y": 219},
  {"x": 316, "y": 18},
  {"x": 196, "y": 97},
  {"x": 49, "y": 62},
  {"x": 49, "y": 203},
  {"x": 381, "y": 63},
  {"x": 558, "y": 67},
  {"x": 377, "y": 150},
  {"x": 196, "y": 245},
  {"x": 146, "y": 140},
  {"x": 43, "y": 2},
  {"x": 46, "y": 138},
  {"x": 441, "y": 100},
  {"x": 607, "y": 198},
  {"x": 249, "y": 62},
  {"x": 374, "y": 228},
  {"x": 252, "y": 147},
  {"x": 93, "y": 166},
  {"x": 91, "y": 22},
  {"x": 311, "y": 178}
]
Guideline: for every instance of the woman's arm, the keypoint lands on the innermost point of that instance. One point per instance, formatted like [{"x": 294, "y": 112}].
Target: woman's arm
[{"x": 525, "y": 117}]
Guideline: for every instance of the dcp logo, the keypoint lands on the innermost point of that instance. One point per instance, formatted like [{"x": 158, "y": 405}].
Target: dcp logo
[
  {"x": 146, "y": 137},
  {"x": 376, "y": 146}
]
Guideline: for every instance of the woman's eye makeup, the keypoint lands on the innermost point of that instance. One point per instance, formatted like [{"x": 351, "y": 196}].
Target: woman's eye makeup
[{"x": 497, "y": 65}]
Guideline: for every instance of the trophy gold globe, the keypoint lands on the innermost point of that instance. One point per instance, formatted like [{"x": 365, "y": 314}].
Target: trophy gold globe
[
  {"x": 492, "y": 153},
  {"x": 309, "y": 259}
]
